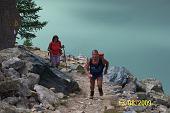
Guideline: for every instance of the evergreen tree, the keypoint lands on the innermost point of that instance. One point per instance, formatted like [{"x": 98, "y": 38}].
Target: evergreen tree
[
  {"x": 27, "y": 42},
  {"x": 29, "y": 19}
]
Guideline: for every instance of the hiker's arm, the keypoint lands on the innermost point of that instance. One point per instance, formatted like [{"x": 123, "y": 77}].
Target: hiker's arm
[
  {"x": 106, "y": 63},
  {"x": 86, "y": 68},
  {"x": 49, "y": 47}
]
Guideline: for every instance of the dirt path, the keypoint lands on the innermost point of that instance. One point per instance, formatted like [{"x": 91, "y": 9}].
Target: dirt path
[{"x": 80, "y": 103}]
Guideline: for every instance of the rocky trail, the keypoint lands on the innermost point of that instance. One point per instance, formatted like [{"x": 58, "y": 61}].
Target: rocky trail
[{"x": 80, "y": 103}]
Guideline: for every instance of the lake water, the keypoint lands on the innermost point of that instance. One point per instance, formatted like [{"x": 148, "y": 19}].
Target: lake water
[{"x": 131, "y": 33}]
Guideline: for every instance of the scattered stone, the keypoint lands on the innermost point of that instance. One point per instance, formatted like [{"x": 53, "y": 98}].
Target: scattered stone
[
  {"x": 142, "y": 95},
  {"x": 60, "y": 95},
  {"x": 66, "y": 70},
  {"x": 38, "y": 108},
  {"x": 56, "y": 111},
  {"x": 117, "y": 89},
  {"x": 137, "y": 108},
  {"x": 52, "y": 89},
  {"x": 162, "y": 108},
  {"x": 79, "y": 112},
  {"x": 46, "y": 96},
  {"x": 130, "y": 111}
]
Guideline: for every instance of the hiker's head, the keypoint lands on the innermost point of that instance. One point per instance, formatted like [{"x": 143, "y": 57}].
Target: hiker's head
[
  {"x": 95, "y": 54},
  {"x": 55, "y": 38}
]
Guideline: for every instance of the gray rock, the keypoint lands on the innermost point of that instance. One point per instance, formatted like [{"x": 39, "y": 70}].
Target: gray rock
[
  {"x": 131, "y": 86},
  {"x": 117, "y": 89},
  {"x": 60, "y": 95},
  {"x": 142, "y": 95},
  {"x": 119, "y": 75},
  {"x": 49, "y": 77},
  {"x": 66, "y": 70},
  {"x": 11, "y": 100},
  {"x": 38, "y": 108},
  {"x": 168, "y": 110},
  {"x": 77, "y": 67},
  {"x": 23, "y": 87},
  {"x": 32, "y": 79},
  {"x": 9, "y": 87},
  {"x": 6, "y": 108},
  {"x": 153, "y": 84},
  {"x": 2, "y": 77},
  {"x": 11, "y": 72},
  {"x": 23, "y": 103},
  {"x": 56, "y": 111},
  {"x": 14, "y": 62},
  {"x": 162, "y": 108},
  {"x": 159, "y": 98},
  {"x": 140, "y": 86},
  {"x": 46, "y": 96},
  {"x": 130, "y": 111},
  {"x": 137, "y": 108}
]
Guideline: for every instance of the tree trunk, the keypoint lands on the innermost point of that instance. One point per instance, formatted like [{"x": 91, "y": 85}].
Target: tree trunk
[{"x": 9, "y": 23}]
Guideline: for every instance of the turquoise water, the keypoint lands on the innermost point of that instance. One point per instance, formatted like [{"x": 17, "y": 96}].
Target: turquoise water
[{"x": 133, "y": 33}]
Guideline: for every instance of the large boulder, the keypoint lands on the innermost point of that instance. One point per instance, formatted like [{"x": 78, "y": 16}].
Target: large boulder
[
  {"x": 46, "y": 96},
  {"x": 13, "y": 87},
  {"x": 9, "y": 87},
  {"x": 13, "y": 62},
  {"x": 20, "y": 57},
  {"x": 153, "y": 84},
  {"x": 119, "y": 75}
]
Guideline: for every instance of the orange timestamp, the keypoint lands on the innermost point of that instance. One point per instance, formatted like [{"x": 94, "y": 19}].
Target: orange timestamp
[{"x": 124, "y": 102}]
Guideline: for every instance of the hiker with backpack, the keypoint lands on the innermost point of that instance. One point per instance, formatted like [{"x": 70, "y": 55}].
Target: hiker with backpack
[
  {"x": 94, "y": 69},
  {"x": 55, "y": 51}
]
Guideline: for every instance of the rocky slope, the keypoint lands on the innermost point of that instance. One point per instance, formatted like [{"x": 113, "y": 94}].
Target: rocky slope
[
  {"x": 29, "y": 84},
  {"x": 26, "y": 79}
]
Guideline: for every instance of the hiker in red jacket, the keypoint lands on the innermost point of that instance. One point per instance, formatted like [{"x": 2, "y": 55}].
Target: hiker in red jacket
[
  {"x": 95, "y": 67},
  {"x": 55, "y": 51}
]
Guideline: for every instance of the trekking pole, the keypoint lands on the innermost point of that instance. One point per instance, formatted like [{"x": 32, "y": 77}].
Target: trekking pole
[{"x": 65, "y": 60}]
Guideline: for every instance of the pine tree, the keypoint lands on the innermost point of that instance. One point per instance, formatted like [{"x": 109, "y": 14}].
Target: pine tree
[
  {"x": 27, "y": 42},
  {"x": 29, "y": 19}
]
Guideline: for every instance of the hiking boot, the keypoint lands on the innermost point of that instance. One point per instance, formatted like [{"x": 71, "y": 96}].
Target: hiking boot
[
  {"x": 100, "y": 91},
  {"x": 91, "y": 94}
]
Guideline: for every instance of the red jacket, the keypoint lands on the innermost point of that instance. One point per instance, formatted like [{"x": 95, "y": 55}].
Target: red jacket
[{"x": 55, "y": 48}]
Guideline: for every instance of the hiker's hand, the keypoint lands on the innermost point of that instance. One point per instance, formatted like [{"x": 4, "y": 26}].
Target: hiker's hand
[
  {"x": 89, "y": 75},
  {"x": 62, "y": 46}
]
